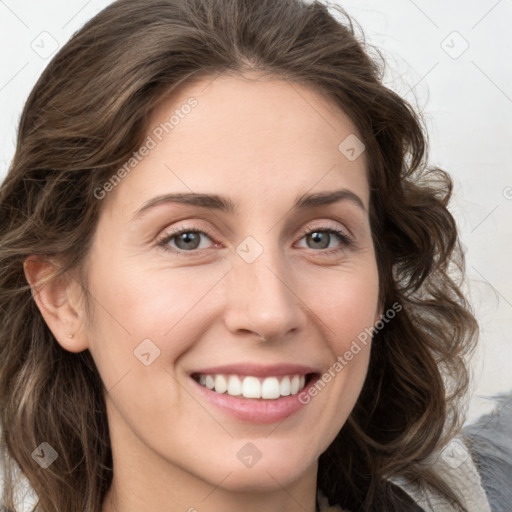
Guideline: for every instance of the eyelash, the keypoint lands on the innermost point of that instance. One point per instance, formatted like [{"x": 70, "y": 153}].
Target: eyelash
[{"x": 346, "y": 240}]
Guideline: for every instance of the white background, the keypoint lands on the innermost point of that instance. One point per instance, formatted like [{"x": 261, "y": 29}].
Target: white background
[{"x": 465, "y": 94}]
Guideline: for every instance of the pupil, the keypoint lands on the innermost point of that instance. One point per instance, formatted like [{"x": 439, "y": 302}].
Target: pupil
[
  {"x": 316, "y": 237},
  {"x": 189, "y": 239}
]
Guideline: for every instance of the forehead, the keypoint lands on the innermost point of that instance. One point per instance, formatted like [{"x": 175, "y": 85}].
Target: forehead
[
  {"x": 262, "y": 111},
  {"x": 249, "y": 135}
]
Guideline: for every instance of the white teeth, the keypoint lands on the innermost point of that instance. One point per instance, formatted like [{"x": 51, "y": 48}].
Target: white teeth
[
  {"x": 209, "y": 382},
  {"x": 268, "y": 388},
  {"x": 234, "y": 386},
  {"x": 251, "y": 387},
  {"x": 221, "y": 385},
  {"x": 285, "y": 389},
  {"x": 294, "y": 388}
]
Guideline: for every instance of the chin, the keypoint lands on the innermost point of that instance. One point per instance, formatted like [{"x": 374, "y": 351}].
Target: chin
[
  {"x": 260, "y": 481},
  {"x": 265, "y": 475}
]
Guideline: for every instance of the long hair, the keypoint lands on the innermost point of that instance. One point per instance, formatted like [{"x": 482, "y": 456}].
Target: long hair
[{"x": 89, "y": 112}]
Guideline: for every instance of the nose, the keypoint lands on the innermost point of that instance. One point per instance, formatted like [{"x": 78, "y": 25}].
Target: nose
[{"x": 261, "y": 297}]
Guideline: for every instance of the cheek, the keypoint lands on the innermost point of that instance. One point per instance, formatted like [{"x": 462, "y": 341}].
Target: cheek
[
  {"x": 168, "y": 306},
  {"x": 346, "y": 308},
  {"x": 347, "y": 304}
]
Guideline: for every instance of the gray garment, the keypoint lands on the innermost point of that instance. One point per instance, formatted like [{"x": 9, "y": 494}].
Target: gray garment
[
  {"x": 455, "y": 465},
  {"x": 490, "y": 440},
  {"x": 484, "y": 475},
  {"x": 477, "y": 465}
]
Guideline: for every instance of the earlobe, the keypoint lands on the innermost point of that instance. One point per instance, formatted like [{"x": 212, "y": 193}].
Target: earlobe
[{"x": 57, "y": 300}]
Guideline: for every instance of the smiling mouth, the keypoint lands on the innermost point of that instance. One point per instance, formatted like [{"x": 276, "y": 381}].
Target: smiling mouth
[{"x": 249, "y": 386}]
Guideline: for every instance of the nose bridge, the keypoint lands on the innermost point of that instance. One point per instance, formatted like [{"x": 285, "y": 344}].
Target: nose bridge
[{"x": 260, "y": 295}]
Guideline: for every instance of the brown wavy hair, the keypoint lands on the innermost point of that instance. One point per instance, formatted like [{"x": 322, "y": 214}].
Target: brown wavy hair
[{"x": 84, "y": 118}]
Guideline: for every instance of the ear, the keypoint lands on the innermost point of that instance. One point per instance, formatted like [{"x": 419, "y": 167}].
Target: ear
[{"x": 58, "y": 300}]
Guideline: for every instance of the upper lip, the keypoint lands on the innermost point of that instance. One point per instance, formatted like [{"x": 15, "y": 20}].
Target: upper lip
[{"x": 258, "y": 370}]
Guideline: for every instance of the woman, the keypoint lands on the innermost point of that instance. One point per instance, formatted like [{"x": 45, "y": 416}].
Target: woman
[{"x": 171, "y": 336}]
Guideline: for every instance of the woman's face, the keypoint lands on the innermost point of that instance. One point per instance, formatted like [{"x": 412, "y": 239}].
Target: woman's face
[{"x": 242, "y": 292}]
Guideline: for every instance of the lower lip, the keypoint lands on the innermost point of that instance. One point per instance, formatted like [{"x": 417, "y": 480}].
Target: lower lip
[{"x": 256, "y": 410}]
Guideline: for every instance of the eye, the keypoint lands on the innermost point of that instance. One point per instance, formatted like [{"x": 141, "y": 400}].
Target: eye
[
  {"x": 189, "y": 239},
  {"x": 321, "y": 237},
  {"x": 185, "y": 239}
]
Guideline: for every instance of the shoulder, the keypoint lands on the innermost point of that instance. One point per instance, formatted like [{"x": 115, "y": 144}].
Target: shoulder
[
  {"x": 490, "y": 442},
  {"x": 477, "y": 465},
  {"x": 455, "y": 465}
]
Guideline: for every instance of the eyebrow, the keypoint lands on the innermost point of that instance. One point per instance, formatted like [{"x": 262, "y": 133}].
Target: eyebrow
[{"x": 224, "y": 204}]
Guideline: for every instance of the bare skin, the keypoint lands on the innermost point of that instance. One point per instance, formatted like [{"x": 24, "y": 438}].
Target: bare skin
[{"x": 260, "y": 143}]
